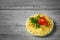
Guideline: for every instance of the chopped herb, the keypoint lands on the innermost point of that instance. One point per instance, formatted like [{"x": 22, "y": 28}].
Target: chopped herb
[
  {"x": 37, "y": 17},
  {"x": 37, "y": 25},
  {"x": 35, "y": 21}
]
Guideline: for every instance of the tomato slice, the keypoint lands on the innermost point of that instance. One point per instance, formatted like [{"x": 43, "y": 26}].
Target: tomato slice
[{"x": 42, "y": 21}]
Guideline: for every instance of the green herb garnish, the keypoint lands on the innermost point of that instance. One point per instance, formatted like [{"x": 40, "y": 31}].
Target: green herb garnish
[
  {"x": 37, "y": 17},
  {"x": 35, "y": 21},
  {"x": 37, "y": 25}
]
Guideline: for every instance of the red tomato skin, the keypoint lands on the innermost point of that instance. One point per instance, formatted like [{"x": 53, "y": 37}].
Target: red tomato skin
[{"x": 42, "y": 21}]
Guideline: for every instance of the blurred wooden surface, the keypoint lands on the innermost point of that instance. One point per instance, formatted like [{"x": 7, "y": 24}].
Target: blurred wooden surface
[
  {"x": 13, "y": 15},
  {"x": 12, "y": 24},
  {"x": 30, "y": 4}
]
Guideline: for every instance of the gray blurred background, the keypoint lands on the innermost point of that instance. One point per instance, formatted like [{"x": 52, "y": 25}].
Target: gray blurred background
[{"x": 13, "y": 15}]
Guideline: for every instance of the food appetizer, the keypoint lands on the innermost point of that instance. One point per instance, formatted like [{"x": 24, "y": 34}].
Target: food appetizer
[{"x": 39, "y": 25}]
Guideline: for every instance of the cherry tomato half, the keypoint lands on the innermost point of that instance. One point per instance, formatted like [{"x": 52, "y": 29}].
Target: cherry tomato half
[{"x": 42, "y": 21}]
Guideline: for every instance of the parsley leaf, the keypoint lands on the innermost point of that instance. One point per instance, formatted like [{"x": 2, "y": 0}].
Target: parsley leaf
[
  {"x": 37, "y": 25},
  {"x": 35, "y": 21},
  {"x": 37, "y": 17}
]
